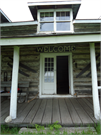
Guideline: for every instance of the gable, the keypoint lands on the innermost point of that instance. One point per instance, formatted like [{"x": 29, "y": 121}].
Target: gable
[
  {"x": 17, "y": 11},
  {"x": 4, "y": 18}
]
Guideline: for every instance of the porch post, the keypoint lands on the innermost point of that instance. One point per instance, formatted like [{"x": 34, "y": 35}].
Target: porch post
[
  {"x": 96, "y": 105},
  {"x": 14, "y": 86}
]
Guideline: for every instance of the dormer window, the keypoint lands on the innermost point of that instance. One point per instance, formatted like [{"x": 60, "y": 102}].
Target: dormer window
[{"x": 55, "y": 20}]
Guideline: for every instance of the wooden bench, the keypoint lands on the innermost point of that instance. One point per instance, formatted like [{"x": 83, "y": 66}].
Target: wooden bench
[{"x": 7, "y": 84}]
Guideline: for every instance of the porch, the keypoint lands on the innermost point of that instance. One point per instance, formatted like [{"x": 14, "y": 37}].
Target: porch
[{"x": 67, "y": 111}]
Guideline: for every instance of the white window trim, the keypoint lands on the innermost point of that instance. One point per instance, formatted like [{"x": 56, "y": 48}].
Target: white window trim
[{"x": 54, "y": 11}]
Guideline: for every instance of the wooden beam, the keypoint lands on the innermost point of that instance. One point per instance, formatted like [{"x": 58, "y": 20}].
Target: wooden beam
[
  {"x": 24, "y": 66},
  {"x": 94, "y": 82},
  {"x": 90, "y": 71},
  {"x": 13, "y": 101},
  {"x": 51, "y": 39},
  {"x": 86, "y": 68},
  {"x": 21, "y": 72}
]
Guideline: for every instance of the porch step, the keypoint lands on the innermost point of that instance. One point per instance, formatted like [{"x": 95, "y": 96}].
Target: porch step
[{"x": 66, "y": 130}]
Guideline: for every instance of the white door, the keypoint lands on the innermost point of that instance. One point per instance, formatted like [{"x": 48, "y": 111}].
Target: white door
[{"x": 49, "y": 74}]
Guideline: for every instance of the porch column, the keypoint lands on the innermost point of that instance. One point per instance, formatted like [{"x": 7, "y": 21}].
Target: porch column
[
  {"x": 96, "y": 105},
  {"x": 14, "y": 86}
]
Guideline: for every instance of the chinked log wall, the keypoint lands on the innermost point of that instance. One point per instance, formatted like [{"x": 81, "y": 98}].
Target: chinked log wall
[
  {"x": 81, "y": 58},
  {"x": 28, "y": 57},
  {"x": 31, "y": 58}
]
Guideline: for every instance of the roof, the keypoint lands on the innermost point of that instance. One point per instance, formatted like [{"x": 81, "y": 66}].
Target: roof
[
  {"x": 4, "y": 17},
  {"x": 16, "y": 10},
  {"x": 52, "y": 2}
]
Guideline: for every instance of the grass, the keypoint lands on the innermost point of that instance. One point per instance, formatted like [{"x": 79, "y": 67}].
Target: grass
[
  {"x": 98, "y": 128},
  {"x": 14, "y": 130},
  {"x": 9, "y": 130}
]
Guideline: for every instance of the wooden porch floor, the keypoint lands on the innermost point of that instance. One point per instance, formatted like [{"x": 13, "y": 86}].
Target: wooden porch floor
[{"x": 67, "y": 111}]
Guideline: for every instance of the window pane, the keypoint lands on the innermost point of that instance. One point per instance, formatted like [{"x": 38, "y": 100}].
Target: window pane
[
  {"x": 67, "y": 15},
  {"x": 49, "y": 71},
  {"x": 63, "y": 26},
  {"x": 48, "y": 59},
  {"x": 45, "y": 59},
  {"x": 46, "y": 16},
  {"x": 46, "y": 26},
  {"x": 62, "y": 16}
]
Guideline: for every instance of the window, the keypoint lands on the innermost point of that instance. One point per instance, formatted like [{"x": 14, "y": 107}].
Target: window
[
  {"x": 55, "y": 20},
  {"x": 49, "y": 70}
]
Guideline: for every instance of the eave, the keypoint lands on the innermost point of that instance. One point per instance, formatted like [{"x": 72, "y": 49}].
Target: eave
[
  {"x": 62, "y": 2},
  {"x": 19, "y": 24},
  {"x": 54, "y": 39},
  {"x": 76, "y": 21},
  {"x": 5, "y": 16}
]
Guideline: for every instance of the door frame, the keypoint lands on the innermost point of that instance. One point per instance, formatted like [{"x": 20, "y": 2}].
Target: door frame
[{"x": 70, "y": 67}]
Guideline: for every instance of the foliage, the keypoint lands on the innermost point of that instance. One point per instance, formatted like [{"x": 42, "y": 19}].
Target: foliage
[
  {"x": 39, "y": 127},
  {"x": 9, "y": 130},
  {"x": 55, "y": 126},
  {"x": 98, "y": 128}
]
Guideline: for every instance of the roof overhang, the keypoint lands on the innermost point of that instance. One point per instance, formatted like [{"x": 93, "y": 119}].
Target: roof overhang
[
  {"x": 18, "y": 24},
  {"x": 54, "y": 39},
  {"x": 4, "y": 15},
  {"x": 87, "y": 21},
  {"x": 52, "y": 2}
]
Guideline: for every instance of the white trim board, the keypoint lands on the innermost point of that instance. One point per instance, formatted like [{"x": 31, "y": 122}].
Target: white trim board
[
  {"x": 51, "y": 39},
  {"x": 63, "y": 96},
  {"x": 99, "y": 87},
  {"x": 87, "y": 21},
  {"x": 53, "y": 3},
  {"x": 18, "y": 24},
  {"x": 70, "y": 68}
]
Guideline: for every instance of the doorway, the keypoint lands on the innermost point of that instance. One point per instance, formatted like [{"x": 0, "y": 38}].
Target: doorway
[
  {"x": 56, "y": 75},
  {"x": 62, "y": 75}
]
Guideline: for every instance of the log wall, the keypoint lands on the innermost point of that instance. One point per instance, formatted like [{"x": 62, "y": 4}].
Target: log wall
[
  {"x": 31, "y": 58},
  {"x": 87, "y": 27},
  {"x": 81, "y": 58},
  {"x": 28, "y": 57}
]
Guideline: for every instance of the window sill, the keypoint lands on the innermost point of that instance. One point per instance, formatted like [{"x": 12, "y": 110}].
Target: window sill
[{"x": 55, "y": 32}]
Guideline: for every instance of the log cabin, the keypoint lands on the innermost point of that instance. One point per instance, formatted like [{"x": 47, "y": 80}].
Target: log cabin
[{"x": 57, "y": 53}]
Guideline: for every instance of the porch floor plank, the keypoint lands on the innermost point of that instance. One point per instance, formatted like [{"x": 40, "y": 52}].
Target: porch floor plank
[
  {"x": 88, "y": 110},
  {"x": 32, "y": 112},
  {"x": 24, "y": 113},
  {"x": 56, "y": 111},
  {"x": 64, "y": 113},
  {"x": 4, "y": 110},
  {"x": 67, "y": 111},
  {"x": 2, "y": 118},
  {"x": 40, "y": 112},
  {"x": 82, "y": 114},
  {"x": 21, "y": 108},
  {"x": 5, "y": 107},
  {"x": 6, "y": 113},
  {"x": 74, "y": 115},
  {"x": 88, "y": 103},
  {"x": 47, "y": 118},
  {"x": 90, "y": 100},
  {"x": 5, "y": 104}
]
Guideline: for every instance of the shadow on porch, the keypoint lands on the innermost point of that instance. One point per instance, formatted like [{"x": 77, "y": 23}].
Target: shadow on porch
[{"x": 67, "y": 111}]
